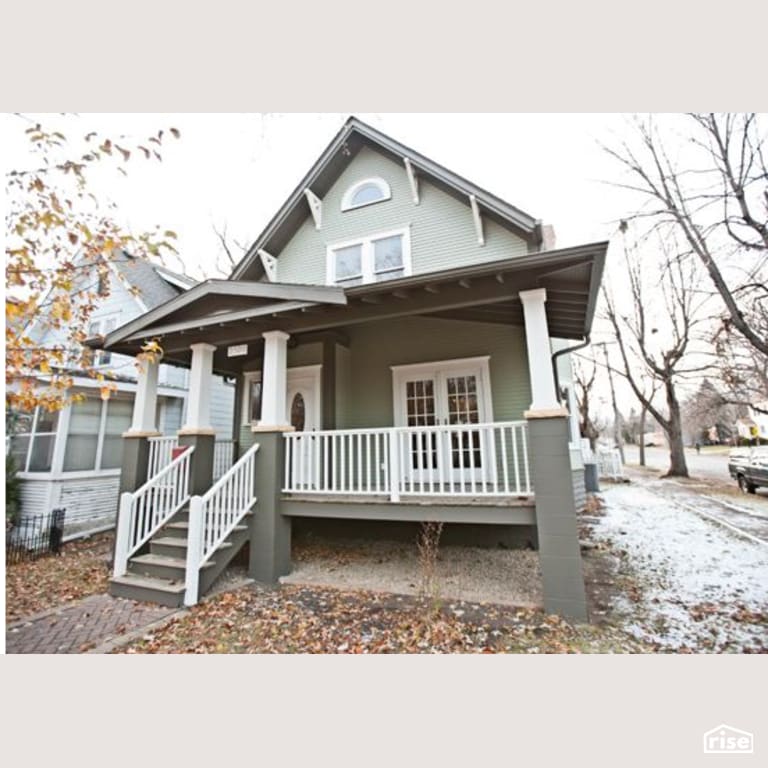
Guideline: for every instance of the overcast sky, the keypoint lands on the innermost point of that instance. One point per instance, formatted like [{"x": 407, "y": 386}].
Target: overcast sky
[{"x": 237, "y": 169}]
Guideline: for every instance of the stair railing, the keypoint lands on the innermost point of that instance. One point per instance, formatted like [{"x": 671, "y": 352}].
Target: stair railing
[
  {"x": 143, "y": 512},
  {"x": 213, "y": 516}
]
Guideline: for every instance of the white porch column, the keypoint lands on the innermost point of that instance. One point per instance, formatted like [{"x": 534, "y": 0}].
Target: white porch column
[
  {"x": 199, "y": 395},
  {"x": 274, "y": 379},
  {"x": 145, "y": 404},
  {"x": 539, "y": 351}
]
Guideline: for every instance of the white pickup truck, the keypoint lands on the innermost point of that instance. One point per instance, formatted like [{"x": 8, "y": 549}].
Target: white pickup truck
[{"x": 749, "y": 467}]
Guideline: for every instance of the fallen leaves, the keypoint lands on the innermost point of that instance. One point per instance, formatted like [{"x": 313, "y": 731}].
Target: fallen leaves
[
  {"x": 80, "y": 570},
  {"x": 299, "y": 619}
]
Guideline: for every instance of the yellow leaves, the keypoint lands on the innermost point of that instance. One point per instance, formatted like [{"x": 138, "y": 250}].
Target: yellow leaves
[
  {"x": 107, "y": 389},
  {"x": 45, "y": 367}
]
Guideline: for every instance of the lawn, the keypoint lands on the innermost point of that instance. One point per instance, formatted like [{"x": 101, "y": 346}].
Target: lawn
[
  {"x": 300, "y": 619},
  {"x": 48, "y": 582}
]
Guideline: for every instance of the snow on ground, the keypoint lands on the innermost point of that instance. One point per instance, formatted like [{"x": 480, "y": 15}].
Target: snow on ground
[{"x": 703, "y": 587}]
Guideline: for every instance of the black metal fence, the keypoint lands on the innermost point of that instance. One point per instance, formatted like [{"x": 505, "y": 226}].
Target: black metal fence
[{"x": 33, "y": 537}]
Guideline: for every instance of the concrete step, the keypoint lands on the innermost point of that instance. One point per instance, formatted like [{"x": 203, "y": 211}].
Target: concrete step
[
  {"x": 160, "y": 567},
  {"x": 147, "y": 589}
]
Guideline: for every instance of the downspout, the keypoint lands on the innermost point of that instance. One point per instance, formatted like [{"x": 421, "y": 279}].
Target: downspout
[{"x": 566, "y": 351}]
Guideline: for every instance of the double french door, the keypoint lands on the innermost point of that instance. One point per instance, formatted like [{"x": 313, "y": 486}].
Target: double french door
[{"x": 453, "y": 394}]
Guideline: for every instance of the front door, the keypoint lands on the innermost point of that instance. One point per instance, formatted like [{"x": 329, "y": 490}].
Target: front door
[
  {"x": 302, "y": 403},
  {"x": 454, "y": 393}
]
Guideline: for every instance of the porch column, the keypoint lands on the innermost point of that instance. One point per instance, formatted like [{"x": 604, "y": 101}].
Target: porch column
[
  {"x": 274, "y": 379},
  {"x": 270, "y": 534},
  {"x": 197, "y": 429},
  {"x": 539, "y": 350},
  {"x": 549, "y": 430},
  {"x": 133, "y": 473}
]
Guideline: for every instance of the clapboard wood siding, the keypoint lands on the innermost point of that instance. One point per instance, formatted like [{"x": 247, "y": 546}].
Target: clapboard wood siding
[
  {"x": 88, "y": 498},
  {"x": 442, "y": 230},
  {"x": 579, "y": 489},
  {"x": 374, "y": 347},
  {"x": 35, "y": 497}
]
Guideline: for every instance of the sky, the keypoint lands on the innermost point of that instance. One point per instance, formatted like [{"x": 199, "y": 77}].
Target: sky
[{"x": 235, "y": 170}]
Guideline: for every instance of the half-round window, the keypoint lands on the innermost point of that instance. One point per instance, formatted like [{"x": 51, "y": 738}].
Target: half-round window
[{"x": 365, "y": 192}]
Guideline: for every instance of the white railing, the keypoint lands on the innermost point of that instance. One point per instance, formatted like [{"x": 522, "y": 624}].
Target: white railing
[
  {"x": 213, "y": 516},
  {"x": 146, "y": 510},
  {"x": 223, "y": 455},
  {"x": 448, "y": 460},
  {"x": 160, "y": 453},
  {"x": 609, "y": 463}
]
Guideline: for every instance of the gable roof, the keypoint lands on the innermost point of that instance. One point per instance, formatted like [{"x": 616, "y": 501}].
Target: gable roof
[
  {"x": 354, "y": 135},
  {"x": 154, "y": 283}
]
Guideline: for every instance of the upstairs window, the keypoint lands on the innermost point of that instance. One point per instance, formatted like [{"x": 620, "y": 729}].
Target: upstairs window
[
  {"x": 384, "y": 256},
  {"x": 365, "y": 192},
  {"x": 102, "y": 327}
]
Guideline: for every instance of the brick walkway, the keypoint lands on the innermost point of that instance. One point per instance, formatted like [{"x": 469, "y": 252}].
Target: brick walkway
[{"x": 82, "y": 626}]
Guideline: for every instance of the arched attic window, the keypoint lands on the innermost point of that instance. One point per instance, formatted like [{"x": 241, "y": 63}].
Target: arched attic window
[{"x": 365, "y": 192}]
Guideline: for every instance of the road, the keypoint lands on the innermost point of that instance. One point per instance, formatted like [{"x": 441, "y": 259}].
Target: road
[{"x": 708, "y": 465}]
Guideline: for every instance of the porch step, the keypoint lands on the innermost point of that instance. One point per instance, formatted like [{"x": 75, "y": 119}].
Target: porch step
[
  {"x": 173, "y": 547},
  {"x": 160, "y": 567},
  {"x": 148, "y": 589}
]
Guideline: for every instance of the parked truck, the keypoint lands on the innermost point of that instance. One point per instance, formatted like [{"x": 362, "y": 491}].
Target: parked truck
[{"x": 749, "y": 467}]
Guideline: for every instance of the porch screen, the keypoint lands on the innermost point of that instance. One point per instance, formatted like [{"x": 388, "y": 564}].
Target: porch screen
[
  {"x": 83, "y": 437},
  {"x": 119, "y": 414}
]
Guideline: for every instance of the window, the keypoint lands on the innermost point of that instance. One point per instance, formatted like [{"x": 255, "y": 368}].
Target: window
[
  {"x": 385, "y": 256},
  {"x": 94, "y": 438},
  {"x": 365, "y": 192},
  {"x": 32, "y": 445},
  {"x": 252, "y": 398},
  {"x": 102, "y": 327}
]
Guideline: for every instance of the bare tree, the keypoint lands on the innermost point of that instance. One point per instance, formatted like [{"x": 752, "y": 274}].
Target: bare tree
[
  {"x": 713, "y": 191},
  {"x": 231, "y": 251},
  {"x": 655, "y": 330},
  {"x": 584, "y": 374}
]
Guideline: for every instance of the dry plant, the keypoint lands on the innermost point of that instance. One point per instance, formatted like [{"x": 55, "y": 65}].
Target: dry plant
[{"x": 428, "y": 543}]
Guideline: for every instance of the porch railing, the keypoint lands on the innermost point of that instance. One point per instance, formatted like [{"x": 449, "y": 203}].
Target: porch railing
[
  {"x": 469, "y": 460},
  {"x": 213, "y": 516},
  {"x": 146, "y": 510},
  {"x": 161, "y": 453}
]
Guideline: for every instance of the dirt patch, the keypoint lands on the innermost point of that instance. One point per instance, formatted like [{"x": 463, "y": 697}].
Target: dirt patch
[
  {"x": 503, "y": 576},
  {"x": 81, "y": 569}
]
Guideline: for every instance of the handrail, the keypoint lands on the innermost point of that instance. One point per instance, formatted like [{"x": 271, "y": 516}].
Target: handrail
[
  {"x": 147, "y": 509},
  {"x": 214, "y": 515}
]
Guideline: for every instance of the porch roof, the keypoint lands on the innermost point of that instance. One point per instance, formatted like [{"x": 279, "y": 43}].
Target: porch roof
[{"x": 233, "y": 312}]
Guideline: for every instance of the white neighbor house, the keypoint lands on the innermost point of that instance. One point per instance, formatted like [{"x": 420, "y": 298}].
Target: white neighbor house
[{"x": 72, "y": 458}]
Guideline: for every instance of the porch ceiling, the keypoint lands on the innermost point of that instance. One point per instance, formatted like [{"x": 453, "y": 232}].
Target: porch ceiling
[{"x": 241, "y": 312}]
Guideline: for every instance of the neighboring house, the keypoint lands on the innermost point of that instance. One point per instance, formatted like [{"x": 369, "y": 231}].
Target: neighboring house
[
  {"x": 391, "y": 332},
  {"x": 755, "y": 425},
  {"x": 71, "y": 458}
]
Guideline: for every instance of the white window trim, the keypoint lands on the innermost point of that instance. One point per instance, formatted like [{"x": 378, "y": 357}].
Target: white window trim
[
  {"x": 367, "y": 255},
  {"x": 400, "y": 373},
  {"x": 346, "y": 200},
  {"x": 303, "y": 373},
  {"x": 101, "y": 319}
]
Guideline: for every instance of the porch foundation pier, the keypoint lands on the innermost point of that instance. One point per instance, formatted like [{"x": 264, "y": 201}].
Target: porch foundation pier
[
  {"x": 197, "y": 430},
  {"x": 135, "y": 464},
  {"x": 556, "y": 522},
  {"x": 270, "y": 534}
]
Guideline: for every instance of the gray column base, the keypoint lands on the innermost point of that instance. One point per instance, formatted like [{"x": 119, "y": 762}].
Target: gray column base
[
  {"x": 556, "y": 521},
  {"x": 135, "y": 464},
  {"x": 270, "y": 535},
  {"x": 201, "y": 464}
]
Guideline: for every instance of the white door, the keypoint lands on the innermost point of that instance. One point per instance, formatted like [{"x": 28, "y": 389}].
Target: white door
[
  {"x": 303, "y": 414},
  {"x": 455, "y": 392}
]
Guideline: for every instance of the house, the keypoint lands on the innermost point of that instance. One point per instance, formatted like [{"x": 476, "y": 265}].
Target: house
[
  {"x": 754, "y": 426},
  {"x": 71, "y": 458},
  {"x": 391, "y": 333}
]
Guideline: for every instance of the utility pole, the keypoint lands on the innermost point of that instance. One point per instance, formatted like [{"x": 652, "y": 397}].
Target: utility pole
[{"x": 616, "y": 413}]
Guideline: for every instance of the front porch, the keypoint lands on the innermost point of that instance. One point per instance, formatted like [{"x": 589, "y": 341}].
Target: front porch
[{"x": 429, "y": 398}]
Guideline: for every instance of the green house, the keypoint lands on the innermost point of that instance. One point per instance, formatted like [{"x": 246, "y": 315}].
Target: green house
[{"x": 399, "y": 340}]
